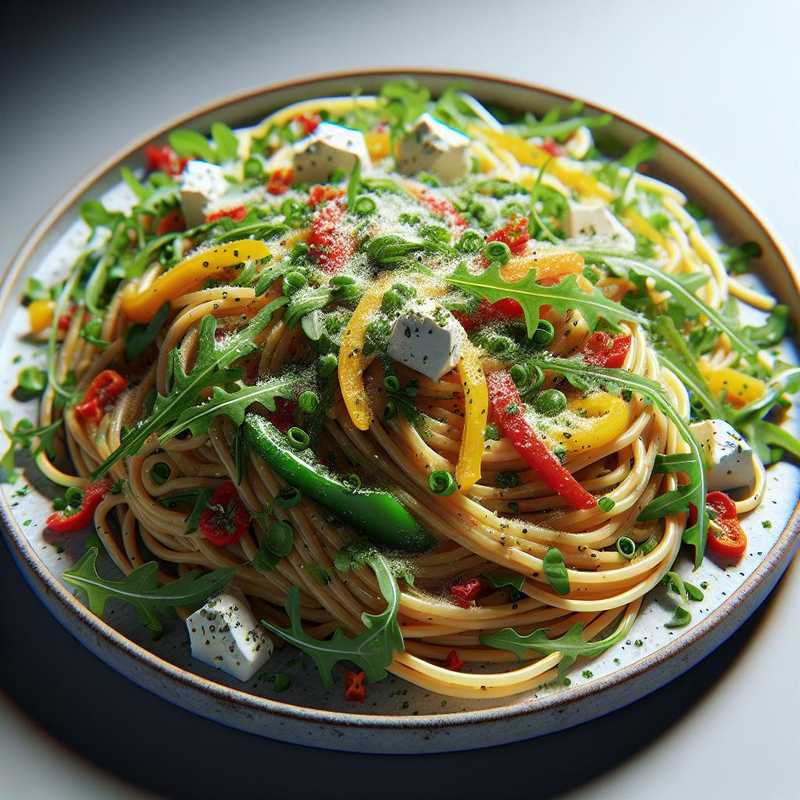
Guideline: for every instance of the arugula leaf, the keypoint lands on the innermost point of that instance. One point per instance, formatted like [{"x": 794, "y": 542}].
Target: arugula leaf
[
  {"x": 200, "y": 504},
  {"x": 305, "y": 301},
  {"x": 673, "y": 502},
  {"x": 196, "y": 419},
  {"x": 556, "y": 571},
  {"x": 737, "y": 259},
  {"x": 642, "y": 151},
  {"x": 571, "y": 645},
  {"x": 500, "y": 580},
  {"x": 141, "y": 588},
  {"x": 404, "y": 100},
  {"x": 139, "y": 337},
  {"x": 225, "y": 141},
  {"x": 560, "y": 130},
  {"x": 353, "y": 185},
  {"x": 141, "y": 192},
  {"x": 680, "y": 619},
  {"x": 190, "y": 143},
  {"x": 371, "y": 651},
  {"x": 665, "y": 282},
  {"x": 95, "y": 215},
  {"x": 562, "y": 297},
  {"x": 213, "y": 367},
  {"x": 773, "y": 331}
]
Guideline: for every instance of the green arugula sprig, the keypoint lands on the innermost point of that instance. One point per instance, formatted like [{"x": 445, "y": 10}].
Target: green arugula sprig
[
  {"x": 196, "y": 419},
  {"x": 371, "y": 651},
  {"x": 214, "y": 366},
  {"x": 622, "y": 262},
  {"x": 564, "y": 296},
  {"x": 571, "y": 645},
  {"x": 141, "y": 588},
  {"x": 672, "y": 502}
]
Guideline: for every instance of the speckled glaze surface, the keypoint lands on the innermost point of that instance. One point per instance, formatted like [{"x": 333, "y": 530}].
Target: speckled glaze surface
[{"x": 399, "y": 718}]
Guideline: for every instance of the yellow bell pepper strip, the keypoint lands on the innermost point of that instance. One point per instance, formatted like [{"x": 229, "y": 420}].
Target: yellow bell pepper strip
[
  {"x": 351, "y": 353},
  {"x": 476, "y": 407},
  {"x": 378, "y": 144},
  {"x": 188, "y": 276},
  {"x": 40, "y": 315},
  {"x": 550, "y": 267},
  {"x": 607, "y": 415},
  {"x": 638, "y": 224},
  {"x": 533, "y": 156},
  {"x": 739, "y": 388}
]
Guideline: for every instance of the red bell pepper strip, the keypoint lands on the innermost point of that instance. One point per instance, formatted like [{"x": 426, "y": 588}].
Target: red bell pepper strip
[
  {"x": 443, "y": 208},
  {"x": 280, "y": 181},
  {"x": 308, "y": 122},
  {"x": 102, "y": 392},
  {"x": 602, "y": 350},
  {"x": 171, "y": 222},
  {"x": 319, "y": 194},
  {"x": 226, "y": 519},
  {"x": 728, "y": 540},
  {"x": 515, "y": 235},
  {"x": 507, "y": 410},
  {"x": 164, "y": 159},
  {"x": 453, "y": 662},
  {"x": 65, "y": 320},
  {"x": 237, "y": 214},
  {"x": 354, "y": 687},
  {"x": 552, "y": 147},
  {"x": 66, "y": 522},
  {"x": 465, "y": 593},
  {"x": 329, "y": 247}
]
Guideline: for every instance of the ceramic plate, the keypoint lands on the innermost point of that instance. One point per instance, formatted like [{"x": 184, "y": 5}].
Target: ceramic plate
[{"x": 399, "y": 718}]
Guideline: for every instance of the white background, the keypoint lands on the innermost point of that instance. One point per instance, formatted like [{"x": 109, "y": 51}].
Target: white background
[{"x": 723, "y": 78}]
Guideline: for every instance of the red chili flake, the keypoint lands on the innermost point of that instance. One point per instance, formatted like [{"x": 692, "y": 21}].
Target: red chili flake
[
  {"x": 515, "y": 235},
  {"x": 354, "y": 687},
  {"x": 453, "y": 662},
  {"x": 330, "y": 247},
  {"x": 552, "y": 147},
  {"x": 443, "y": 208},
  {"x": 237, "y": 214},
  {"x": 465, "y": 593},
  {"x": 164, "y": 159},
  {"x": 308, "y": 122},
  {"x": 280, "y": 181}
]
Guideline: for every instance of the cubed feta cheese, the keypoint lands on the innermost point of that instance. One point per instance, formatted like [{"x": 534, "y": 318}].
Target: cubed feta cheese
[
  {"x": 428, "y": 339},
  {"x": 201, "y": 184},
  {"x": 225, "y": 634},
  {"x": 728, "y": 456},
  {"x": 595, "y": 220},
  {"x": 329, "y": 148},
  {"x": 432, "y": 146}
]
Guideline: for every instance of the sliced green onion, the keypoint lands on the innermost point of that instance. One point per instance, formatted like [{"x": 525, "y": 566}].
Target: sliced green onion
[
  {"x": 471, "y": 241},
  {"x": 253, "y": 168},
  {"x": 280, "y": 539},
  {"x": 288, "y": 497},
  {"x": 390, "y": 410},
  {"x": 391, "y": 383},
  {"x": 308, "y": 402},
  {"x": 606, "y": 504},
  {"x": 626, "y": 547},
  {"x": 391, "y": 302},
  {"x": 521, "y": 375},
  {"x": 298, "y": 438},
  {"x": 328, "y": 364},
  {"x": 353, "y": 481},
  {"x": 497, "y": 253},
  {"x": 648, "y": 545},
  {"x": 543, "y": 334},
  {"x": 441, "y": 482},
  {"x": 364, "y": 206}
]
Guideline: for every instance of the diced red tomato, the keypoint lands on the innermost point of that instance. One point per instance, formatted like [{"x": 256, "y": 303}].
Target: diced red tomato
[
  {"x": 64, "y": 522},
  {"x": 65, "y": 320},
  {"x": 507, "y": 409},
  {"x": 171, "y": 222},
  {"x": 443, "y": 208},
  {"x": 552, "y": 147},
  {"x": 225, "y": 520},
  {"x": 284, "y": 414},
  {"x": 319, "y": 194},
  {"x": 330, "y": 247},
  {"x": 730, "y": 541},
  {"x": 308, "y": 122},
  {"x": 354, "y": 688},
  {"x": 237, "y": 214},
  {"x": 102, "y": 392},
  {"x": 515, "y": 235},
  {"x": 164, "y": 159},
  {"x": 465, "y": 593},
  {"x": 280, "y": 181},
  {"x": 453, "y": 662},
  {"x": 603, "y": 350}
]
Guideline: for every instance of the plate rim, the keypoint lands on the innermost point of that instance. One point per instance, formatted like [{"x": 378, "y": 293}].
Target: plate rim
[{"x": 777, "y": 558}]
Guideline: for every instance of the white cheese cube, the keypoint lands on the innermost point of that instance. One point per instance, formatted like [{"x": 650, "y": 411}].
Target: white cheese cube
[
  {"x": 728, "y": 456},
  {"x": 201, "y": 184},
  {"x": 225, "y": 634},
  {"x": 329, "y": 148},
  {"x": 595, "y": 220},
  {"x": 432, "y": 146},
  {"x": 428, "y": 339}
]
